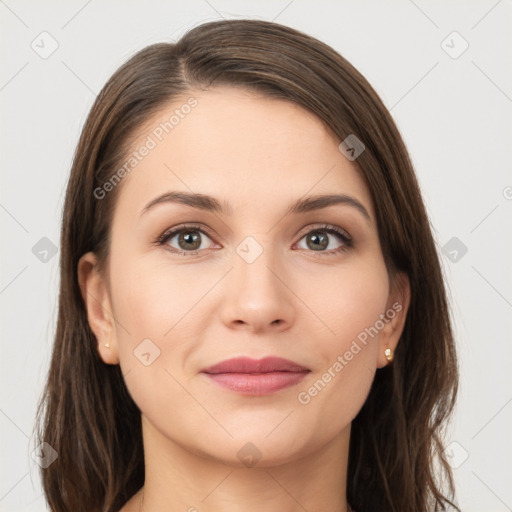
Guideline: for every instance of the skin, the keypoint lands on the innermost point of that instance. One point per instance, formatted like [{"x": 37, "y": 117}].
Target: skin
[{"x": 261, "y": 155}]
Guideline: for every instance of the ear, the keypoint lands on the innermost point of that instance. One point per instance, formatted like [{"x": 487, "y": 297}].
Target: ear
[
  {"x": 99, "y": 312},
  {"x": 395, "y": 316}
]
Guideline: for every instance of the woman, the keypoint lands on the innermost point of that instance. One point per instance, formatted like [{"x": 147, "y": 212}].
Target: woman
[{"x": 252, "y": 314}]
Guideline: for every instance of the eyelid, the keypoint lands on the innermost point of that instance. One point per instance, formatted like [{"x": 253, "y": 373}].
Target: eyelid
[{"x": 326, "y": 227}]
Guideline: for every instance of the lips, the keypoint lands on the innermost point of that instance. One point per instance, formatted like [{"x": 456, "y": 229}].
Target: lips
[
  {"x": 256, "y": 377},
  {"x": 248, "y": 365}
]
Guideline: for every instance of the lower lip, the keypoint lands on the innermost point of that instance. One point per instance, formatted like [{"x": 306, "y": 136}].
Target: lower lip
[{"x": 257, "y": 384}]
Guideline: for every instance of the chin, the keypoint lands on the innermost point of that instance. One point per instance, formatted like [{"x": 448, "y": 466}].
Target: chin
[{"x": 260, "y": 449}]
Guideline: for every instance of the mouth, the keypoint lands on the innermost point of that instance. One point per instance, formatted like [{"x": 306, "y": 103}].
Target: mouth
[{"x": 256, "y": 377}]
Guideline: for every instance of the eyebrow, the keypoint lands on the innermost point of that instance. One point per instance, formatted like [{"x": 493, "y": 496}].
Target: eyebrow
[{"x": 210, "y": 204}]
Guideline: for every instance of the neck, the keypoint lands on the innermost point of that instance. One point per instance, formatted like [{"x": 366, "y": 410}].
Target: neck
[{"x": 179, "y": 480}]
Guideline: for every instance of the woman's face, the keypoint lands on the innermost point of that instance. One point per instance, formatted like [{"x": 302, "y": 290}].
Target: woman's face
[{"x": 248, "y": 276}]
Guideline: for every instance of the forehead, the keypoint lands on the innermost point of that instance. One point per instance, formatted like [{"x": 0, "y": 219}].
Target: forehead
[{"x": 238, "y": 146}]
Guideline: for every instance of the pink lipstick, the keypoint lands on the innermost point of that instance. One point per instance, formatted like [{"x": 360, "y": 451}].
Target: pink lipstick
[{"x": 256, "y": 376}]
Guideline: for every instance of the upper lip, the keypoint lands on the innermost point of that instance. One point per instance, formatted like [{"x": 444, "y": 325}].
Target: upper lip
[{"x": 248, "y": 365}]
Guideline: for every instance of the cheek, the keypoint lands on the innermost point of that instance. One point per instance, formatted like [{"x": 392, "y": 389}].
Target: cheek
[
  {"x": 347, "y": 300},
  {"x": 350, "y": 302},
  {"x": 162, "y": 314},
  {"x": 156, "y": 309},
  {"x": 153, "y": 299},
  {"x": 347, "y": 356}
]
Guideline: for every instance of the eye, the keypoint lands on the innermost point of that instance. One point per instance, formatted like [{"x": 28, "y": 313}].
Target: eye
[
  {"x": 189, "y": 240},
  {"x": 318, "y": 239}
]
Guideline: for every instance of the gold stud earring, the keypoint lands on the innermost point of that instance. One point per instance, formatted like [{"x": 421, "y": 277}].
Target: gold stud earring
[{"x": 389, "y": 355}]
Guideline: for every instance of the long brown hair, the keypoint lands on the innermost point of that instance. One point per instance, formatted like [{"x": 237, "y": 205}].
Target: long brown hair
[{"x": 86, "y": 413}]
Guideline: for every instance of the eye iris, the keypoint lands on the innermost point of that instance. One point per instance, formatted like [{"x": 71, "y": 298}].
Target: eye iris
[
  {"x": 189, "y": 237},
  {"x": 319, "y": 241}
]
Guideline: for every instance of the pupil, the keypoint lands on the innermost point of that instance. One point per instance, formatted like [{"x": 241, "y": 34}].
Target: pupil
[
  {"x": 189, "y": 237},
  {"x": 316, "y": 239}
]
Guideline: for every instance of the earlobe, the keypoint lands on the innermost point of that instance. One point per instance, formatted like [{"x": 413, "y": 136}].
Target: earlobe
[
  {"x": 98, "y": 308},
  {"x": 396, "y": 314}
]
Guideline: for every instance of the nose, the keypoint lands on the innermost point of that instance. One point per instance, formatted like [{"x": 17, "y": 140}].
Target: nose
[{"x": 258, "y": 296}]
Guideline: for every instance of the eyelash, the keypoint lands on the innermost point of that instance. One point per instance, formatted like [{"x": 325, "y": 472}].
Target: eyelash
[{"x": 326, "y": 228}]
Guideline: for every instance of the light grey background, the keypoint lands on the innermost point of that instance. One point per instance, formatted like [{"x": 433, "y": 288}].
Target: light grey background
[{"x": 453, "y": 110}]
